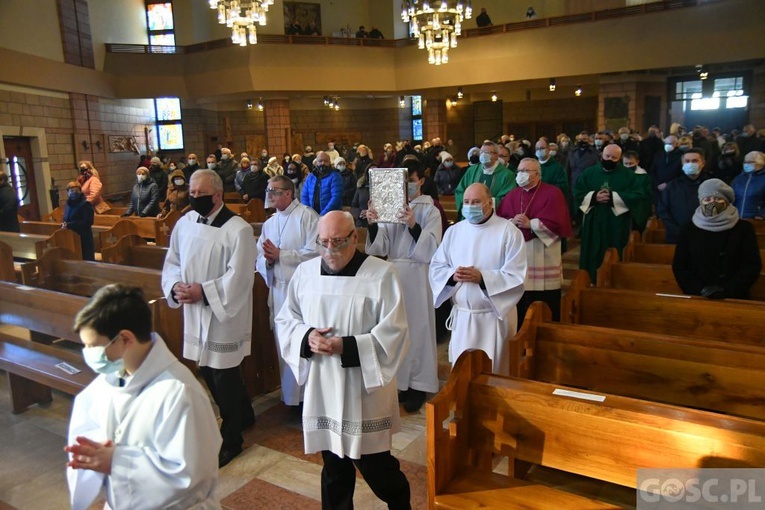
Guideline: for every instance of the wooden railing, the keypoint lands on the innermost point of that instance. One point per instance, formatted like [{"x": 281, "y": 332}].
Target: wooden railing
[{"x": 555, "y": 21}]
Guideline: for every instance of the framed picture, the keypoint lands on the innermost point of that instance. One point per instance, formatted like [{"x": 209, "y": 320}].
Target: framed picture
[
  {"x": 123, "y": 144},
  {"x": 304, "y": 14}
]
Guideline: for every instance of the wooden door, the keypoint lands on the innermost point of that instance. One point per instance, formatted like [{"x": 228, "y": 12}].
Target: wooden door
[{"x": 19, "y": 165}]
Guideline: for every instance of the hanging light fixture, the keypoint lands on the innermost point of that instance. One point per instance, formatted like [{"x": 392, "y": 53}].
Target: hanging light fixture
[
  {"x": 242, "y": 16},
  {"x": 249, "y": 104},
  {"x": 436, "y": 27},
  {"x": 552, "y": 84},
  {"x": 332, "y": 102}
]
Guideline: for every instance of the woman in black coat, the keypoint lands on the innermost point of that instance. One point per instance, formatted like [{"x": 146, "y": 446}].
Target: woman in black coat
[
  {"x": 145, "y": 199},
  {"x": 78, "y": 217}
]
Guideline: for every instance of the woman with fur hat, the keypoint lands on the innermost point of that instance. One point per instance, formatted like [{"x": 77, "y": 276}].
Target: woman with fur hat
[
  {"x": 273, "y": 168},
  {"x": 177, "y": 194},
  {"x": 717, "y": 254}
]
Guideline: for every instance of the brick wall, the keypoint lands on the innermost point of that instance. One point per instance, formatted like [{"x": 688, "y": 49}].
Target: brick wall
[{"x": 550, "y": 110}]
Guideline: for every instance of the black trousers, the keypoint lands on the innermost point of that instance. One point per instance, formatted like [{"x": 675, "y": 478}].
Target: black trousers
[
  {"x": 381, "y": 471},
  {"x": 229, "y": 394},
  {"x": 551, "y": 297}
]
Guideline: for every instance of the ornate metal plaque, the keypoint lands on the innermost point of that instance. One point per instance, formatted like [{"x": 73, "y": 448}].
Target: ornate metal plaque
[{"x": 387, "y": 192}]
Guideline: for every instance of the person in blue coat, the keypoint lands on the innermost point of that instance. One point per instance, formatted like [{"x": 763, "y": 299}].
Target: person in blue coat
[
  {"x": 78, "y": 217},
  {"x": 749, "y": 187},
  {"x": 323, "y": 188}
]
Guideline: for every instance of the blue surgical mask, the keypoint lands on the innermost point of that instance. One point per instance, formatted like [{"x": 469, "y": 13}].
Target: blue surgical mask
[
  {"x": 690, "y": 168},
  {"x": 412, "y": 188},
  {"x": 748, "y": 167},
  {"x": 473, "y": 213},
  {"x": 485, "y": 158},
  {"x": 95, "y": 358},
  {"x": 541, "y": 154}
]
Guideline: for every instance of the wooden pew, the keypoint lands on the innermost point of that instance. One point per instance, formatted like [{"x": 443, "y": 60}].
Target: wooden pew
[
  {"x": 613, "y": 274},
  {"x": 727, "y": 320},
  {"x": 703, "y": 374},
  {"x": 57, "y": 270},
  {"x": 47, "y": 229},
  {"x": 149, "y": 228},
  {"x": 31, "y": 246},
  {"x": 111, "y": 235},
  {"x": 253, "y": 211},
  {"x": 31, "y": 366},
  {"x": 7, "y": 268},
  {"x": 478, "y": 414},
  {"x": 261, "y": 369},
  {"x": 655, "y": 233},
  {"x": 232, "y": 197},
  {"x": 649, "y": 253}
]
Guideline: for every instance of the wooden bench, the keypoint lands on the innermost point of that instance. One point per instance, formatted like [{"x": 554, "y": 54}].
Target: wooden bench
[
  {"x": 31, "y": 246},
  {"x": 649, "y": 253},
  {"x": 703, "y": 374},
  {"x": 613, "y": 274},
  {"x": 727, "y": 320},
  {"x": 7, "y": 267},
  {"x": 31, "y": 366},
  {"x": 149, "y": 228},
  {"x": 47, "y": 229},
  {"x": 656, "y": 233},
  {"x": 261, "y": 369},
  {"x": 478, "y": 414},
  {"x": 58, "y": 271}
]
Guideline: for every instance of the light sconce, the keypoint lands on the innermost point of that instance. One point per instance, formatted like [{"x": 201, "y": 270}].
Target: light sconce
[
  {"x": 326, "y": 101},
  {"x": 578, "y": 91},
  {"x": 260, "y": 104},
  {"x": 703, "y": 73},
  {"x": 460, "y": 95},
  {"x": 249, "y": 104},
  {"x": 402, "y": 102},
  {"x": 85, "y": 145},
  {"x": 455, "y": 100},
  {"x": 552, "y": 84},
  {"x": 332, "y": 102},
  {"x": 98, "y": 145},
  {"x": 494, "y": 97}
]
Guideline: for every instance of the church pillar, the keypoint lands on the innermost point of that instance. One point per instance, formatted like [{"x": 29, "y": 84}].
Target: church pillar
[
  {"x": 434, "y": 119},
  {"x": 277, "y": 116}
]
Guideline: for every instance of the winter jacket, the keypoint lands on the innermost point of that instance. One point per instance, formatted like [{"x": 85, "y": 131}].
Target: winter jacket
[
  {"x": 177, "y": 196},
  {"x": 9, "y": 207},
  {"x": 678, "y": 202},
  {"x": 145, "y": 199},
  {"x": 324, "y": 193},
  {"x": 78, "y": 216},
  {"x": 749, "y": 189},
  {"x": 159, "y": 176}
]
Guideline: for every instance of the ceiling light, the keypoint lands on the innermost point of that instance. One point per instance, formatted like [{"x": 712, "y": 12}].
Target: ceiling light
[
  {"x": 436, "y": 29},
  {"x": 242, "y": 16}
]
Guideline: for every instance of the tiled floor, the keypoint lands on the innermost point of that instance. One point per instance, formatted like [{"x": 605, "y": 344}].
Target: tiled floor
[{"x": 271, "y": 473}]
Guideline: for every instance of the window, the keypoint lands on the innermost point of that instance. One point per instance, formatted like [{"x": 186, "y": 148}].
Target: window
[
  {"x": 713, "y": 94},
  {"x": 159, "y": 23},
  {"x": 169, "y": 123},
  {"x": 417, "y": 118}
]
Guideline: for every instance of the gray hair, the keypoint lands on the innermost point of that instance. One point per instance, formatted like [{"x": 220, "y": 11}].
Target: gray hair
[
  {"x": 489, "y": 143},
  {"x": 215, "y": 179},
  {"x": 284, "y": 181}
]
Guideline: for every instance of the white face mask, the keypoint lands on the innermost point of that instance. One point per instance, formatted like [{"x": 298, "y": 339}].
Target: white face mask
[
  {"x": 690, "y": 168},
  {"x": 448, "y": 164},
  {"x": 522, "y": 178},
  {"x": 624, "y": 136},
  {"x": 210, "y": 165},
  {"x": 192, "y": 161},
  {"x": 141, "y": 177},
  {"x": 553, "y": 152},
  {"x": 179, "y": 182},
  {"x": 541, "y": 155},
  {"x": 668, "y": 147},
  {"x": 224, "y": 157},
  {"x": 341, "y": 167},
  {"x": 485, "y": 158}
]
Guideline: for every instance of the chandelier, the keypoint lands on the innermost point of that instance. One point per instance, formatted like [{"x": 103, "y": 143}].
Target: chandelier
[
  {"x": 436, "y": 25},
  {"x": 242, "y": 16}
]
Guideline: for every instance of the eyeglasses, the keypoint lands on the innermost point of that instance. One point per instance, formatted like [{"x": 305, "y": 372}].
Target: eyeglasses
[
  {"x": 337, "y": 242},
  {"x": 275, "y": 191}
]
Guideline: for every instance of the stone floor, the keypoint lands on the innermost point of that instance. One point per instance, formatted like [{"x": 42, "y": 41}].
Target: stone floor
[{"x": 271, "y": 473}]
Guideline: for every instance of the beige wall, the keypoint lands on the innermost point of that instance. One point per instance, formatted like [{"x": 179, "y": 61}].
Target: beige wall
[
  {"x": 122, "y": 21},
  {"x": 31, "y": 27}
]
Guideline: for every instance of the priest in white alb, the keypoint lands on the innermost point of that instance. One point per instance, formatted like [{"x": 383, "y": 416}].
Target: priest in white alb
[
  {"x": 481, "y": 266},
  {"x": 287, "y": 239},
  {"x": 209, "y": 271},
  {"x": 343, "y": 332},
  {"x": 409, "y": 247}
]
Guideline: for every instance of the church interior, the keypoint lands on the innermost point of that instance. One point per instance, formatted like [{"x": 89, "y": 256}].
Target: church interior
[{"x": 110, "y": 81}]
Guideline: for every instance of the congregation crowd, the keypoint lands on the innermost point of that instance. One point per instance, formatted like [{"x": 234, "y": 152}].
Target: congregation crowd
[{"x": 355, "y": 320}]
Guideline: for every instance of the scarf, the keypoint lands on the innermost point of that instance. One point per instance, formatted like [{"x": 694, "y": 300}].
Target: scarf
[{"x": 721, "y": 222}]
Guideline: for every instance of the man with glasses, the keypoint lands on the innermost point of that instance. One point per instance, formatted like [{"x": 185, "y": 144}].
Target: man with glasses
[
  {"x": 209, "y": 271},
  {"x": 288, "y": 238},
  {"x": 489, "y": 171},
  {"x": 540, "y": 211},
  {"x": 343, "y": 332},
  {"x": 480, "y": 266}
]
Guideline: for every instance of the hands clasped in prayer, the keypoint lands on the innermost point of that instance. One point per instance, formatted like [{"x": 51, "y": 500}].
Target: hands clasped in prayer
[
  {"x": 603, "y": 196},
  {"x": 271, "y": 252},
  {"x": 321, "y": 344},
  {"x": 87, "y": 454},
  {"x": 521, "y": 221},
  {"x": 467, "y": 274},
  {"x": 187, "y": 293}
]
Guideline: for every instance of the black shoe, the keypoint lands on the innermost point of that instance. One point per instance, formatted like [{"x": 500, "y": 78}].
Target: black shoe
[
  {"x": 227, "y": 455},
  {"x": 403, "y": 396},
  {"x": 415, "y": 401}
]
